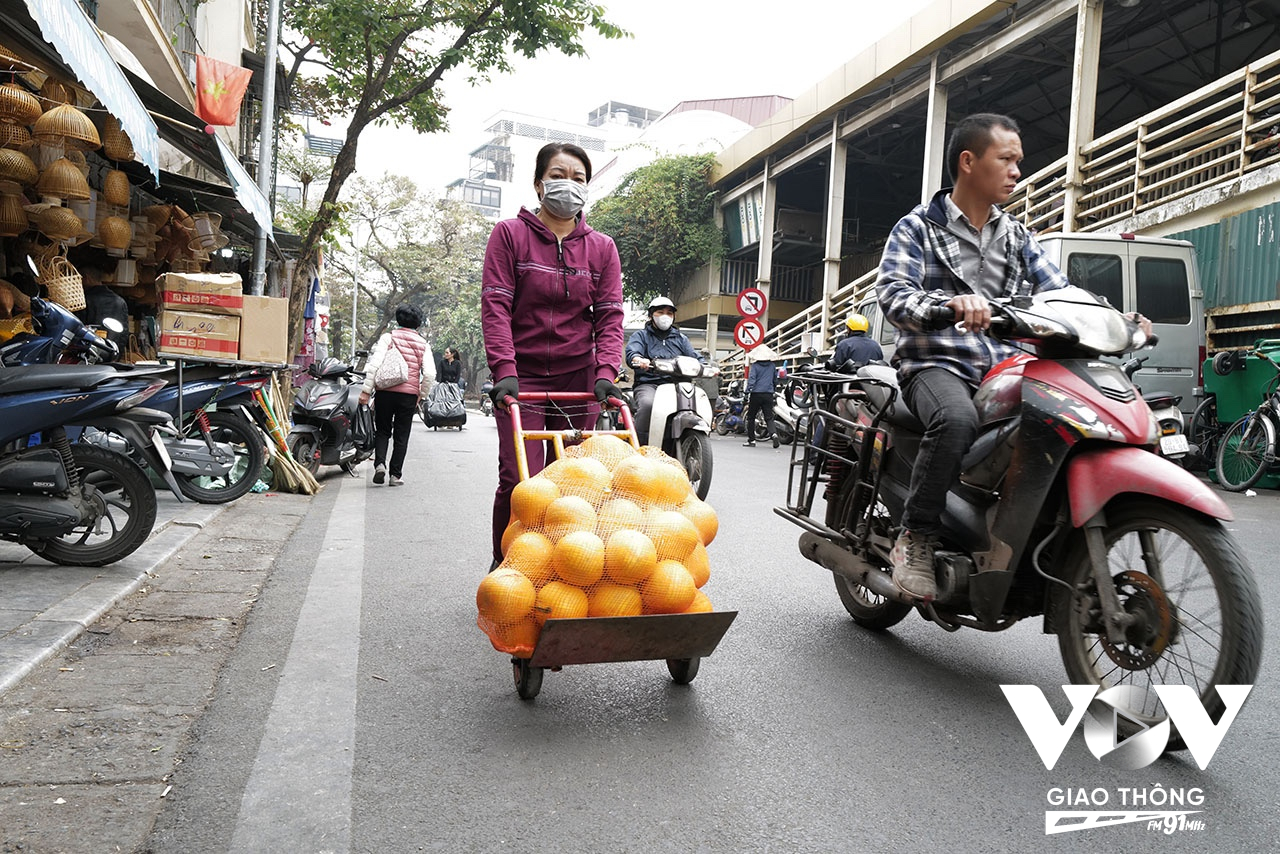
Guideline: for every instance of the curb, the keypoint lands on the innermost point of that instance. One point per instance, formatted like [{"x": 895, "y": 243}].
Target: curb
[{"x": 54, "y": 629}]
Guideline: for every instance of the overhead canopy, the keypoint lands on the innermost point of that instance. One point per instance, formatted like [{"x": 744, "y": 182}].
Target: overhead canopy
[{"x": 67, "y": 43}]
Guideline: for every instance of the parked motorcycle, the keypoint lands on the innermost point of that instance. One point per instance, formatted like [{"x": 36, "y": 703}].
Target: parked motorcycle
[
  {"x": 1173, "y": 434},
  {"x": 1060, "y": 511},
  {"x": 217, "y": 451},
  {"x": 682, "y": 416},
  {"x": 75, "y": 504},
  {"x": 324, "y": 410},
  {"x": 731, "y": 414},
  {"x": 486, "y": 402}
]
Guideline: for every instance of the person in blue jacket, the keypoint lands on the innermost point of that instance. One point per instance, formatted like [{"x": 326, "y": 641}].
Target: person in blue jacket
[
  {"x": 856, "y": 347},
  {"x": 761, "y": 385},
  {"x": 657, "y": 339}
]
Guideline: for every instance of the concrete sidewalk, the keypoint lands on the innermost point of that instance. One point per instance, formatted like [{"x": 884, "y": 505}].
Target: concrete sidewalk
[{"x": 44, "y": 607}]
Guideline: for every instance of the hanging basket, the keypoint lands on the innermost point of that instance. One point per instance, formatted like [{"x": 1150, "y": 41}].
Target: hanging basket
[
  {"x": 116, "y": 144},
  {"x": 56, "y": 92},
  {"x": 65, "y": 125},
  {"x": 10, "y": 61},
  {"x": 16, "y": 166},
  {"x": 78, "y": 160},
  {"x": 20, "y": 300},
  {"x": 13, "y": 218},
  {"x": 115, "y": 234},
  {"x": 63, "y": 180},
  {"x": 115, "y": 188},
  {"x": 208, "y": 237},
  {"x": 15, "y": 136},
  {"x": 58, "y": 223},
  {"x": 17, "y": 105},
  {"x": 62, "y": 281}
]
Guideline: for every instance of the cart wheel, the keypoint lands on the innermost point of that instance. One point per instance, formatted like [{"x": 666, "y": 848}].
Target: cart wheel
[
  {"x": 683, "y": 669},
  {"x": 528, "y": 679}
]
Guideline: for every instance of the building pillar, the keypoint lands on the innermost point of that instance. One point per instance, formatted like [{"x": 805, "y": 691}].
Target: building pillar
[
  {"x": 1084, "y": 100},
  {"x": 764, "y": 256},
  {"x": 935, "y": 135},
  {"x": 837, "y": 163}
]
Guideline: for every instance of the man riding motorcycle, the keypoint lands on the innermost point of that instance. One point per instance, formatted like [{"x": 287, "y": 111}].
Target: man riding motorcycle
[
  {"x": 657, "y": 339},
  {"x": 856, "y": 347}
]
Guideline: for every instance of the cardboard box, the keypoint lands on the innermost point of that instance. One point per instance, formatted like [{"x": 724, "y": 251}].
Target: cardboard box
[
  {"x": 264, "y": 330},
  {"x": 193, "y": 333},
  {"x": 213, "y": 293}
]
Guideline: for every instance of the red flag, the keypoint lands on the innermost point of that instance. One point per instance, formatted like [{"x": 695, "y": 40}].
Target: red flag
[{"x": 219, "y": 90}]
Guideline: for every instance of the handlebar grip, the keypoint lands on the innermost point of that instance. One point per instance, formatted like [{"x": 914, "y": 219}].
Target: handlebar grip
[
  {"x": 940, "y": 317},
  {"x": 1152, "y": 340}
]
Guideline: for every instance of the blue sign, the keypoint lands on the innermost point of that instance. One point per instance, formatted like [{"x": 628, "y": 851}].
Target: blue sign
[
  {"x": 64, "y": 25},
  {"x": 247, "y": 190}
]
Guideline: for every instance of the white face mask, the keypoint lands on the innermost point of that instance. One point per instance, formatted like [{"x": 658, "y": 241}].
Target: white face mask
[
  {"x": 563, "y": 198},
  {"x": 663, "y": 321}
]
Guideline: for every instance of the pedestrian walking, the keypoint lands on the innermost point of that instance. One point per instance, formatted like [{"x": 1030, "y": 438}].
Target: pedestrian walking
[
  {"x": 395, "y": 405},
  {"x": 761, "y": 384}
]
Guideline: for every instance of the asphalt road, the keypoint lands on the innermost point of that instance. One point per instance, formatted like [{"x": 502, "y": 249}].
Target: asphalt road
[{"x": 363, "y": 710}]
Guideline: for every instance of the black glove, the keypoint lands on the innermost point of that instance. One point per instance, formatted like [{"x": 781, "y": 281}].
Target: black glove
[
  {"x": 504, "y": 388},
  {"x": 606, "y": 389}
]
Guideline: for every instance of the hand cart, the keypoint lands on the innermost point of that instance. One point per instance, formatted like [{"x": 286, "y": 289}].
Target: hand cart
[{"x": 681, "y": 639}]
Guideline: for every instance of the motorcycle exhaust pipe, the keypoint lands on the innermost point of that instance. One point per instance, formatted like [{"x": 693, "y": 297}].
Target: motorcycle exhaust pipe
[{"x": 839, "y": 561}]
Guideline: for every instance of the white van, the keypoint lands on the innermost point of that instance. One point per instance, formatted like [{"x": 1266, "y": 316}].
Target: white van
[{"x": 1153, "y": 276}]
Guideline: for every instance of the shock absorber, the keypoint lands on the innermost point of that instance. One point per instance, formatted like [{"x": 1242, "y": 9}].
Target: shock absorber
[
  {"x": 836, "y": 465},
  {"x": 201, "y": 420},
  {"x": 62, "y": 445}
]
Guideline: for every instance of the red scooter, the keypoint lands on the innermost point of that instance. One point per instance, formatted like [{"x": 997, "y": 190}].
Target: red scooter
[{"x": 1061, "y": 511}]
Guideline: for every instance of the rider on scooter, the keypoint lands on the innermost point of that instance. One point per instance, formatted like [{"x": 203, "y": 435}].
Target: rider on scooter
[
  {"x": 856, "y": 347},
  {"x": 657, "y": 339}
]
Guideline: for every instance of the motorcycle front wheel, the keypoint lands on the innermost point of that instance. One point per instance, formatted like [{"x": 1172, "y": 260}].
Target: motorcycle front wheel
[
  {"x": 250, "y": 450},
  {"x": 123, "y": 504},
  {"x": 305, "y": 448},
  {"x": 1200, "y": 623},
  {"x": 693, "y": 450}
]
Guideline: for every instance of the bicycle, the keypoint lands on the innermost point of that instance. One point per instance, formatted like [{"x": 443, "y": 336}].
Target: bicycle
[{"x": 1247, "y": 448}]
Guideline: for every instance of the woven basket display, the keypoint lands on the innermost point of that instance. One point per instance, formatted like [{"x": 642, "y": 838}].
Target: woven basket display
[
  {"x": 16, "y": 166},
  {"x": 19, "y": 300},
  {"x": 63, "y": 180},
  {"x": 62, "y": 281},
  {"x": 11, "y": 326},
  {"x": 65, "y": 125},
  {"x": 208, "y": 237},
  {"x": 54, "y": 91},
  {"x": 13, "y": 219},
  {"x": 10, "y": 61},
  {"x": 15, "y": 136},
  {"x": 115, "y": 188},
  {"x": 115, "y": 234},
  {"x": 58, "y": 223},
  {"x": 115, "y": 142},
  {"x": 17, "y": 105}
]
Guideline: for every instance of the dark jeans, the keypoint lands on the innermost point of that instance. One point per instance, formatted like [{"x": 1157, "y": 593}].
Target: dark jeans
[
  {"x": 759, "y": 401},
  {"x": 393, "y": 413},
  {"x": 944, "y": 403},
  {"x": 642, "y": 396}
]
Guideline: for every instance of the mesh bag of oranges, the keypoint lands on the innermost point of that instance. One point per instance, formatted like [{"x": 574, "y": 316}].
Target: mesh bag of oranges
[{"x": 605, "y": 531}]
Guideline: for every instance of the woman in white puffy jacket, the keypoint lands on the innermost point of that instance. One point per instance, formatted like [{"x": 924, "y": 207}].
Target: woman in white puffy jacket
[{"x": 394, "y": 408}]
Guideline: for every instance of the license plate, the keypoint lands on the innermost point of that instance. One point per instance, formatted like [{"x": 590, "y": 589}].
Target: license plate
[
  {"x": 1174, "y": 446},
  {"x": 158, "y": 443}
]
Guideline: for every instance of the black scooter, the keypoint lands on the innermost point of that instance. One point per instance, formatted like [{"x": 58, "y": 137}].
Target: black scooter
[{"x": 324, "y": 415}]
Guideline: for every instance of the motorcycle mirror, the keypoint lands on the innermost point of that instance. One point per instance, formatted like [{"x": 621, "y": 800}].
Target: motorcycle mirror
[
  {"x": 112, "y": 324},
  {"x": 31, "y": 265}
]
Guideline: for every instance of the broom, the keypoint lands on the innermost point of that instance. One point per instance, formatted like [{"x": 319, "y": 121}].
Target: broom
[{"x": 289, "y": 475}]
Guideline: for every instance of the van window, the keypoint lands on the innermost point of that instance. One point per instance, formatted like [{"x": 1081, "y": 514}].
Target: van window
[
  {"x": 870, "y": 309},
  {"x": 1102, "y": 275},
  {"x": 1163, "y": 293}
]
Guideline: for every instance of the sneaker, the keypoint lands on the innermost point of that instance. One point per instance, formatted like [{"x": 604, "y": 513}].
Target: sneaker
[
  {"x": 395, "y": 481},
  {"x": 748, "y": 444},
  {"x": 379, "y": 474},
  {"x": 912, "y": 558},
  {"x": 776, "y": 443}
]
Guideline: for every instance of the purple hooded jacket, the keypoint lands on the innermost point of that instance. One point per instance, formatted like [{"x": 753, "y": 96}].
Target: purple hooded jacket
[{"x": 551, "y": 308}]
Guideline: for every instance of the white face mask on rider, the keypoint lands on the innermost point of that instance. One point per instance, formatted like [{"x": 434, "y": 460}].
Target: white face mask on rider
[
  {"x": 563, "y": 198},
  {"x": 663, "y": 321}
]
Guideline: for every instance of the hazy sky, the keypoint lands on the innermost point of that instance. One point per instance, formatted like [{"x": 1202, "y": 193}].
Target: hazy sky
[{"x": 680, "y": 50}]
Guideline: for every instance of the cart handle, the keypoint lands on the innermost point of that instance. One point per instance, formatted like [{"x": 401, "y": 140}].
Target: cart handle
[{"x": 558, "y": 437}]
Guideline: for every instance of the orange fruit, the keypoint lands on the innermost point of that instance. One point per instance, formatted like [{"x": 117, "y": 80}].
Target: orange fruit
[
  {"x": 579, "y": 558},
  {"x": 614, "y": 600},
  {"x": 530, "y": 554},
  {"x": 670, "y": 486},
  {"x": 514, "y": 530},
  {"x": 617, "y": 514},
  {"x": 505, "y": 596},
  {"x": 700, "y": 604},
  {"x": 580, "y": 476},
  {"x": 673, "y": 534},
  {"x": 629, "y": 557},
  {"x": 632, "y": 478},
  {"x": 530, "y": 498},
  {"x": 517, "y": 638},
  {"x": 669, "y": 590},
  {"x": 559, "y": 601},
  {"x": 703, "y": 518},
  {"x": 699, "y": 565},
  {"x": 609, "y": 450},
  {"x": 567, "y": 514}
]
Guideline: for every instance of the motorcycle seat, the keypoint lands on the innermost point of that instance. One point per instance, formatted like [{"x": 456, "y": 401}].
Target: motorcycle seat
[
  {"x": 1159, "y": 399},
  {"x": 47, "y": 377},
  {"x": 881, "y": 390}
]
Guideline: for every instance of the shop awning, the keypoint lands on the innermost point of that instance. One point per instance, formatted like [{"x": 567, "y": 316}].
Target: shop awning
[{"x": 64, "y": 24}]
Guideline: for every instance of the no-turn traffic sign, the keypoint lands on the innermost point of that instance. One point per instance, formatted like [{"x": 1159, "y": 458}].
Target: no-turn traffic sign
[
  {"x": 749, "y": 333},
  {"x": 752, "y": 302}
]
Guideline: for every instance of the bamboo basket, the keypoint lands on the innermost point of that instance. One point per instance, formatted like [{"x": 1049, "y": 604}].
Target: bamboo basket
[
  {"x": 13, "y": 218},
  {"x": 58, "y": 223},
  {"x": 11, "y": 326},
  {"x": 116, "y": 144},
  {"x": 208, "y": 235},
  {"x": 20, "y": 300},
  {"x": 16, "y": 166},
  {"x": 115, "y": 188},
  {"x": 17, "y": 105},
  {"x": 65, "y": 125},
  {"x": 63, "y": 180},
  {"x": 15, "y": 136},
  {"x": 62, "y": 281},
  {"x": 56, "y": 92},
  {"x": 115, "y": 234},
  {"x": 10, "y": 61}
]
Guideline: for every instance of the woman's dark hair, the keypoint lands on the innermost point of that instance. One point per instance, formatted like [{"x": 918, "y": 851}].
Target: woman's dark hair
[
  {"x": 551, "y": 149},
  {"x": 974, "y": 134},
  {"x": 448, "y": 350},
  {"x": 409, "y": 316}
]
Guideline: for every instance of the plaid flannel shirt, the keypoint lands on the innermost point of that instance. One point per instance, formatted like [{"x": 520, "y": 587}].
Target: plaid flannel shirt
[{"x": 920, "y": 269}]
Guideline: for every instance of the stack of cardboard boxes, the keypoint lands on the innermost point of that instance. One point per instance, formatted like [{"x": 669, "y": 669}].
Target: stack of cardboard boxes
[{"x": 208, "y": 315}]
